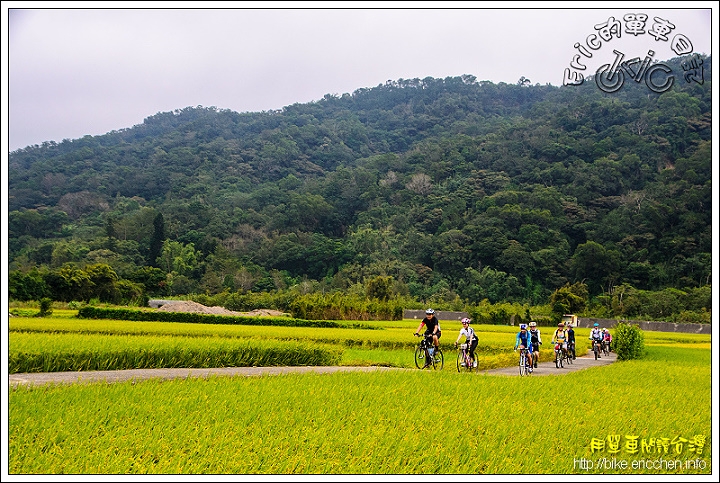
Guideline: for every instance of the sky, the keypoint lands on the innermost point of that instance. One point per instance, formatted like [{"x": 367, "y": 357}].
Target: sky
[{"x": 73, "y": 69}]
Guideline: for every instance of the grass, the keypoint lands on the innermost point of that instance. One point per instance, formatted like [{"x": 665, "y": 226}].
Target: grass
[
  {"x": 354, "y": 423},
  {"x": 392, "y": 346},
  {"x": 361, "y": 423},
  {"x": 79, "y": 340}
]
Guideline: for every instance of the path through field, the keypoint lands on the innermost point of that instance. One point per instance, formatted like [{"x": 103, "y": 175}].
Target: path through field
[
  {"x": 549, "y": 369},
  {"x": 183, "y": 373},
  {"x": 36, "y": 379}
]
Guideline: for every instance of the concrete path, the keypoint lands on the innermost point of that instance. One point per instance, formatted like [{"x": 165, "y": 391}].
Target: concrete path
[
  {"x": 549, "y": 369},
  {"x": 37, "y": 379}
]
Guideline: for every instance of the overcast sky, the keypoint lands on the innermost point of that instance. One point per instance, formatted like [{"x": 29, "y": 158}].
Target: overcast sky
[{"x": 75, "y": 71}]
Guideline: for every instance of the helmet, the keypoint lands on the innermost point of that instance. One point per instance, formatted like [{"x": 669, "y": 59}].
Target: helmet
[
  {"x": 561, "y": 324},
  {"x": 533, "y": 324},
  {"x": 431, "y": 311},
  {"x": 523, "y": 326},
  {"x": 604, "y": 329},
  {"x": 596, "y": 324},
  {"x": 465, "y": 321}
]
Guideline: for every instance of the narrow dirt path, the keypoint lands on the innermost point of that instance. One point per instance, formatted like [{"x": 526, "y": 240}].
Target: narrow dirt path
[
  {"x": 76, "y": 377},
  {"x": 37, "y": 379},
  {"x": 549, "y": 369}
]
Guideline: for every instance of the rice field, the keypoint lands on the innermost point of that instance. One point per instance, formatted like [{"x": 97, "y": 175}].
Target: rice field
[{"x": 361, "y": 423}]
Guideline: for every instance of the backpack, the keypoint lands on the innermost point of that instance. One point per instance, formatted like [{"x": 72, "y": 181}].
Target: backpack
[{"x": 534, "y": 336}]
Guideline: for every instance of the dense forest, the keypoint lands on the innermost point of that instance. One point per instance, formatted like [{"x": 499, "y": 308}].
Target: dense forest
[{"x": 454, "y": 189}]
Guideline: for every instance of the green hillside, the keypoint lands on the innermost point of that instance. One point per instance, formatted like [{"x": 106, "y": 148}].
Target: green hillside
[{"x": 455, "y": 188}]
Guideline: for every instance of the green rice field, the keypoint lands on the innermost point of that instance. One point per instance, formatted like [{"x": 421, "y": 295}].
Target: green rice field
[{"x": 626, "y": 418}]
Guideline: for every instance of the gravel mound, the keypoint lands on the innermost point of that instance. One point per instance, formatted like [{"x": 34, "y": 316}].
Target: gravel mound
[{"x": 194, "y": 307}]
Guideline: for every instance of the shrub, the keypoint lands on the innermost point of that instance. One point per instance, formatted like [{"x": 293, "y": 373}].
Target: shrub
[
  {"x": 45, "y": 307},
  {"x": 89, "y": 312},
  {"x": 629, "y": 341}
]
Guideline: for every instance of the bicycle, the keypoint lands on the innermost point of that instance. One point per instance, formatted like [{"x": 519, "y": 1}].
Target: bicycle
[
  {"x": 559, "y": 356},
  {"x": 464, "y": 361},
  {"x": 569, "y": 353},
  {"x": 423, "y": 359},
  {"x": 523, "y": 363},
  {"x": 535, "y": 356},
  {"x": 567, "y": 356},
  {"x": 606, "y": 348},
  {"x": 596, "y": 349}
]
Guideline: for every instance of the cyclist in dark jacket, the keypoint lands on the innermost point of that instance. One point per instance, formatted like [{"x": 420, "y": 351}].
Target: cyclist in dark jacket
[
  {"x": 571, "y": 338},
  {"x": 535, "y": 339},
  {"x": 432, "y": 327}
]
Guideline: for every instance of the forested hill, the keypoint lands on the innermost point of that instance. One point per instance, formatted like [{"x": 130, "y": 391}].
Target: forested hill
[{"x": 451, "y": 186}]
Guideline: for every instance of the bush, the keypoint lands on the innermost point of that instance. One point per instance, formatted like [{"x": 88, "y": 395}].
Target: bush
[
  {"x": 45, "y": 307},
  {"x": 89, "y": 312},
  {"x": 628, "y": 342}
]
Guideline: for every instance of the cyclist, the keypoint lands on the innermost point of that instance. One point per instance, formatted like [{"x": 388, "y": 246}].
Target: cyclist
[
  {"x": 523, "y": 341},
  {"x": 536, "y": 340},
  {"x": 571, "y": 339},
  {"x": 560, "y": 337},
  {"x": 432, "y": 327},
  {"x": 471, "y": 339},
  {"x": 607, "y": 338},
  {"x": 596, "y": 335}
]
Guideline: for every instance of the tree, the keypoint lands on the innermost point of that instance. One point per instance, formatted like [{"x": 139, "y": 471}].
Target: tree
[
  {"x": 69, "y": 283},
  {"x": 420, "y": 183},
  {"x": 380, "y": 288},
  {"x": 27, "y": 286},
  {"x": 157, "y": 240},
  {"x": 103, "y": 279},
  {"x": 38, "y": 223},
  {"x": 570, "y": 299},
  {"x": 493, "y": 285},
  {"x": 178, "y": 258},
  {"x": 592, "y": 262},
  {"x": 151, "y": 278}
]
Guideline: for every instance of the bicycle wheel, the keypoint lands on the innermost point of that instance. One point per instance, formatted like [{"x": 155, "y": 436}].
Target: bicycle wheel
[
  {"x": 460, "y": 361},
  {"x": 438, "y": 360},
  {"x": 420, "y": 360},
  {"x": 475, "y": 364},
  {"x": 568, "y": 357},
  {"x": 595, "y": 351},
  {"x": 522, "y": 364}
]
